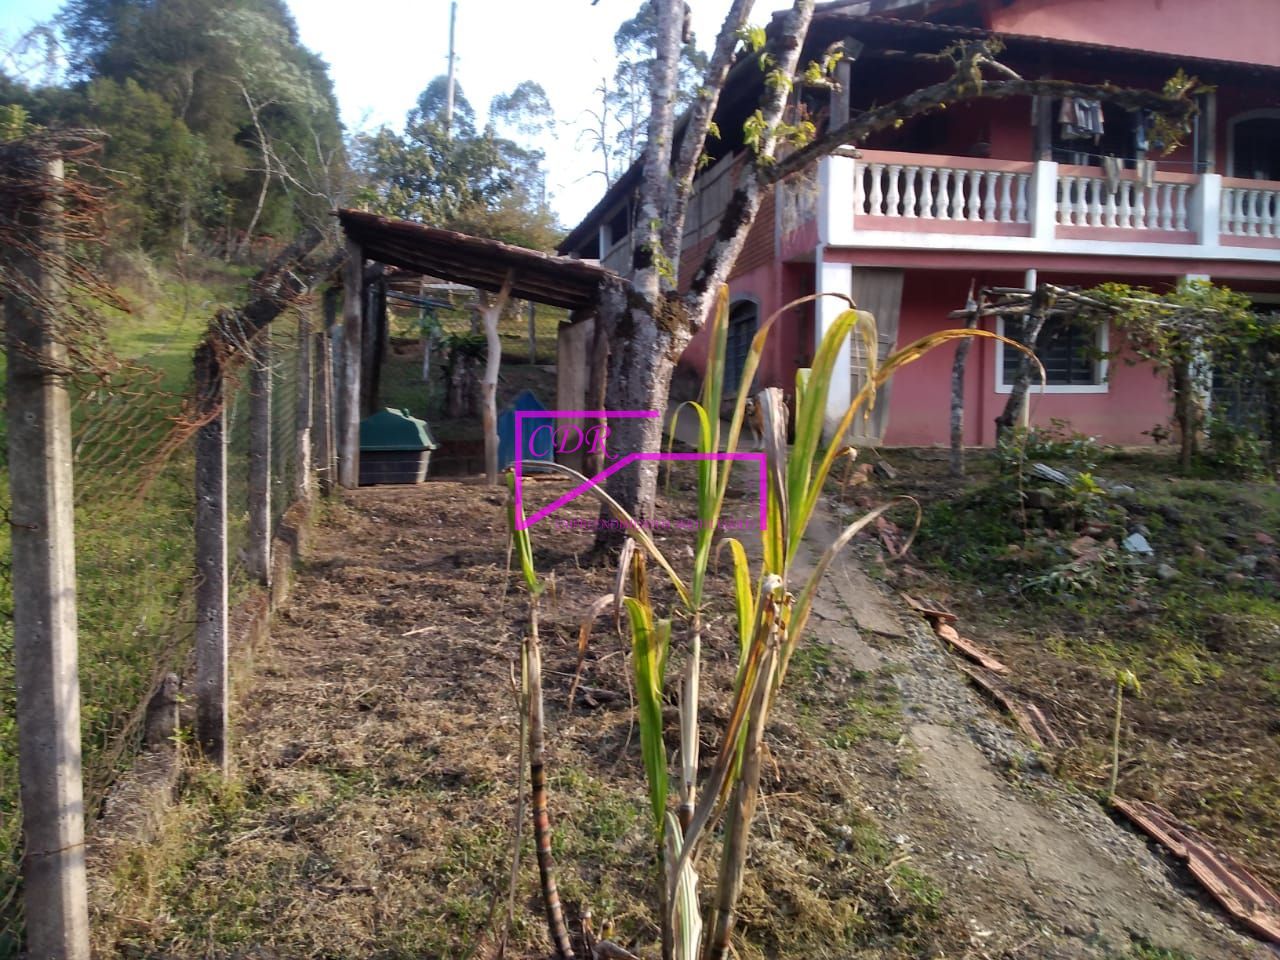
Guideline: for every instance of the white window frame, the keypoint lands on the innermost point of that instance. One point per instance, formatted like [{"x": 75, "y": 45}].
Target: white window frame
[{"x": 1101, "y": 368}]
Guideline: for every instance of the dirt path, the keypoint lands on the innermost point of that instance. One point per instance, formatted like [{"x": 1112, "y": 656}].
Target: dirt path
[
  {"x": 1043, "y": 870},
  {"x": 376, "y": 752}
]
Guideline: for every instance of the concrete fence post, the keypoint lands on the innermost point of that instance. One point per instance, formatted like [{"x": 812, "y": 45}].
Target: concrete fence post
[
  {"x": 41, "y": 522},
  {"x": 211, "y": 559},
  {"x": 258, "y": 551}
]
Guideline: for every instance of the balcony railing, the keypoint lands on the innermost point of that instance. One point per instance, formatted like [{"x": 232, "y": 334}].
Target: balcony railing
[
  {"x": 1250, "y": 208},
  {"x": 1086, "y": 198},
  {"x": 935, "y": 188},
  {"x": 976, "y": 203}
]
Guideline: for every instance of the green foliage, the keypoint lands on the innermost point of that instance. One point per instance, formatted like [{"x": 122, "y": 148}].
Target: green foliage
[
  {"x": 451, "y": 175},
  {"x": 1235, "y": 451},
  {"x": 218, "y": 120}
]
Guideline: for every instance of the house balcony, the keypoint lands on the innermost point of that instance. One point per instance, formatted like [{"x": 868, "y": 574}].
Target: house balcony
[{"x": 926, "y": 203}]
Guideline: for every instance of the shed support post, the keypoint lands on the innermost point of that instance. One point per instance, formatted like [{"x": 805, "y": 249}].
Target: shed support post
[
  {"x": 302, "y": 424},
  {"x": 211, "y": 561},
  {"x": 322, "y": 395},
  {"x": 533, "y": 333},
  {"x": 349, "y": 427},
  {"x": 43, "y": 574},
  {"x": 259, "y": 548}
]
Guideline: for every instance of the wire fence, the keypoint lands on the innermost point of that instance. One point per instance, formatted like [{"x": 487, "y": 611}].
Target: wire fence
[{"x": 134, "y": 431}]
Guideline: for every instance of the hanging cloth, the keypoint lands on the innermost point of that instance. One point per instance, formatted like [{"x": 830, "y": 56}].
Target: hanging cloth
[
  {"x": 1146, "y": 172},
  {"x": 1111, "y": 167},
  {"x": 1089, "y": 117}
]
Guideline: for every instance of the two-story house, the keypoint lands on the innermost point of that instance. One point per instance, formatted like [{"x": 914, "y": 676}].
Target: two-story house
[{"x": 988, "y": 191}]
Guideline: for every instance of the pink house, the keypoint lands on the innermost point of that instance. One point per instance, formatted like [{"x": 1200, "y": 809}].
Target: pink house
[{"x": 990, "y": 191}]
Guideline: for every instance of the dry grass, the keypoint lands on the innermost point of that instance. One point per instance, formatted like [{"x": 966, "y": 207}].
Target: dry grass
[{"x": 371, "y": 809}]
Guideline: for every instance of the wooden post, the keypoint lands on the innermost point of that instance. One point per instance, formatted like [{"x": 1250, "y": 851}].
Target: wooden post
[
  {"x": 957, "y": 386},
  {"x": 258, "y": 551},
  {"x": 302, "y": 426},
  {"x": 597, "y": 382},
  {"x": 211, "y": 560},
  {"x": 322, "y": 395},
  {"x": 533, "y": 333},
  {"x": 349, "y": 426},
  {"x": 42, "y": 530},
  {"x": 490, "y": 312}
]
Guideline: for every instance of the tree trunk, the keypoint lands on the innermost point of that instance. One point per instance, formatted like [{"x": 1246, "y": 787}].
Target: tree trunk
[
  {"x": 957, "y": 389},
  {"x": 490, "y": 313},
  {"x": 1041, "y": 301},
  {"x": 1183, "y": 411},
  {"x": 641, "y": 361},
  {"x": 957, "y": 404}
]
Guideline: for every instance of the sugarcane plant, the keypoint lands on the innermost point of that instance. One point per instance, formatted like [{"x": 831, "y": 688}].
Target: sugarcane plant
[
  {"x": 1124, "y": 680},
  {"x": 771, "y": 608}
]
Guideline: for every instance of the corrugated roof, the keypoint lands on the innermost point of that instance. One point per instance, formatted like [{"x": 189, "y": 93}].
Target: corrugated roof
[{"x": 483, "y": 264}]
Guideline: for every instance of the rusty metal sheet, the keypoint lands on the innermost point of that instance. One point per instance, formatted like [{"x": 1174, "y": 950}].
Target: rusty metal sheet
[{"x": 1226, "y": 879}]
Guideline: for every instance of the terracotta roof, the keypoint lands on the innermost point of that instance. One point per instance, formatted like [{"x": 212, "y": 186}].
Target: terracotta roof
[{"x": 483, "y": 264}]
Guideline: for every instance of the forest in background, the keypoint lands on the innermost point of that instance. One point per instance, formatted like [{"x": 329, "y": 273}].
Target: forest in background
[{"x": 223, "y": 138}]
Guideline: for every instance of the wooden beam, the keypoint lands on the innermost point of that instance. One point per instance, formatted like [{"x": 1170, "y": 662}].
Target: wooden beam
[{"x": 352, "y": 323}]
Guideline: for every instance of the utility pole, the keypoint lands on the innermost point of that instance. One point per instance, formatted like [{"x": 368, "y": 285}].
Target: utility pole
[{"x": 448, "y": 90}]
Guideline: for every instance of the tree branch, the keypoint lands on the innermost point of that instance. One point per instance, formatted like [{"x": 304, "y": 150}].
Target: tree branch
[
  {"x": 699, "y": 124},
  {"x": 967, "y": 84}
]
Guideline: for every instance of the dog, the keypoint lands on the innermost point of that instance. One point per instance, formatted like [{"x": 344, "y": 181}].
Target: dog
[{"x": 753, "y": 419}]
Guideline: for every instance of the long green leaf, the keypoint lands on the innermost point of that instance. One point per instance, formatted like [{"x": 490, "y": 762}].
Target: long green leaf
[
  {"x": 647, "y": 663},
  {"x": 524, "y": 548}
]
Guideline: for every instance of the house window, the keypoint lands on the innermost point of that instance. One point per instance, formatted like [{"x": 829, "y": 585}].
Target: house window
[
  {"x": 1073, "y": 356},
  {"x": 743, "y": 318},
  {"x": 1255, "y": 146}
]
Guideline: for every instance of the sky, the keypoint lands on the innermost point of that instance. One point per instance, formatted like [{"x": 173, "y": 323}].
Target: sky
[{"x": 382, "y": 53}]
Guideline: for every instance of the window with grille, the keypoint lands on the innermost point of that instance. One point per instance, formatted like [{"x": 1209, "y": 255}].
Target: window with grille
[
  {"x": 743, "y": 318},
  {"x": 1070, "y": 354}
]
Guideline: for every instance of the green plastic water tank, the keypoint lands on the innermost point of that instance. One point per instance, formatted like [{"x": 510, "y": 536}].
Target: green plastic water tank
[{"x": 394, "y": 448}]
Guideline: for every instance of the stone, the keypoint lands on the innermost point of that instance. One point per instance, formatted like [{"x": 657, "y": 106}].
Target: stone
[
  {"x": 1122, "y": 490},
  {"x": 1166, "y": 572},
  {"x": 1137, "y": 543},
  {"x": 1198, "y": 551},
  {"x": 1248, "y": 563}
]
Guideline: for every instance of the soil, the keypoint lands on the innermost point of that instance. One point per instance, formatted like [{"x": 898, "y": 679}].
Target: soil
[{"x": 371, "y": 811}]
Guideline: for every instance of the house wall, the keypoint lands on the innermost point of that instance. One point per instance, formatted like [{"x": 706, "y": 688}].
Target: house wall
[
  {"x": 920, "y": 411},
  {"x": 1243, "y": 30}
]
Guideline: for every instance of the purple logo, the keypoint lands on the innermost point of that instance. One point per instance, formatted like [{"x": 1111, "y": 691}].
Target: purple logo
[{"x": 596, "y": 438}]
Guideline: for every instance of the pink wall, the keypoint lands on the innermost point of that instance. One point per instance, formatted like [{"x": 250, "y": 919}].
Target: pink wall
[
  {"x": 920, "y": 405},
  {"x": 1243, "y": 30}
]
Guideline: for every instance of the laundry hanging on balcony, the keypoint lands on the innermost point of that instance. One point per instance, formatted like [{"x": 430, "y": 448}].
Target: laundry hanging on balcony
[{"x": 1081, "y": 119}]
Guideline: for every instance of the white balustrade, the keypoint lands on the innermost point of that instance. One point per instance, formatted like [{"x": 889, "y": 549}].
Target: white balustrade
[
  {"x": 1088, "y": 201},
  {"x": 1250, "y": 211},
  {"x": 953, "y": 190},
  {"x": 922, "y": 191}
]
